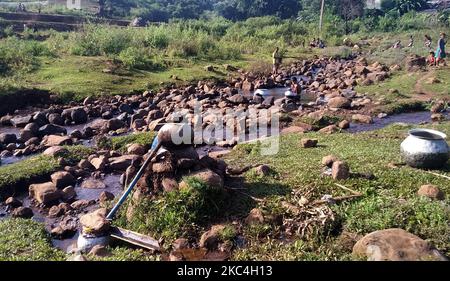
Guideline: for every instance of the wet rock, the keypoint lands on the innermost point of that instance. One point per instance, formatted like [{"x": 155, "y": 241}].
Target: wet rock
[
  {"x": 169, "y": 184},
  {"x": 211, "y": 238},
  {"x": 32, "y": 141},
  {"x": 136, "y": 149},
  {"x": 93, "y": 184},
  {"x": 77, "y": 134},
  {"x": 69, "y": 193},
  {"x": 340, "y": 170},
  {"x": 431, "y": 191},
  {"x": 125, "y": 108},
  {"x": 107, "y": 115},
  {"x": 55, "y": 212},
  {"x": 155, "y": 125},
  {"x": 22, "y": 212},
  {"x": 85, "y": 165},
  {"x": 339, "y": 102},
  {"x": 25, "y": 135},
  {"x": 55, "y": 119},
  {"x": 122, "y": 162},
  {"x": 360, "y": 118},
  {"x": 13, "y": 202},
  {"x": 51, "y": 129},
  {"x": 45, "y": 193},
  {"x": 66, "y": 228},
  {"x": 99, "y": 163},
  {"x": 106, "y": 196},
  {"x": 81, "y": 204},
  {"x": 329, "y": 160},
  {"x": 54, "y": 140},
  {"x": 95, "y": 222},
  {"x": 308, "y": 143},
  {"x": 55, "y": 151},
  {"x": 329, "y": 129},
  {"x": 32, "y": 127},
  {"x": 8, "y": 138},
  {"x": 62, "y": 179},
  {"x": 88, "y": 100},
  {"x": 114, "y": 124},
  {"x": 11, "y": 147},
  {"x": 79, "y": 115},
  {"x": 437, "y": 117},
  {"x": 395, "y": 245},
  {"x": 21, "y": 121},
  {"x": 344, "y": 124},
  {"x": 255, "y": 217},
  {"x": 65, "y": 207},
  {"x": 6, "y": 120}
]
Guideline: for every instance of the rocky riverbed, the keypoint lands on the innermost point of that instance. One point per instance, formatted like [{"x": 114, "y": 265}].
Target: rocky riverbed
[{"x": 329, "y": 104}]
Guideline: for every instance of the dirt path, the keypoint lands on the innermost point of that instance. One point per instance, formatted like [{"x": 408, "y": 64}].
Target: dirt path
[{"x": 419, "y": 92}]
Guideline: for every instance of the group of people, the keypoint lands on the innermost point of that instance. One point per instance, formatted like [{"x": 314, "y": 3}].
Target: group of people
[
  {"x": 317, "y": 43},
  {"x": 435, "y": 58}
]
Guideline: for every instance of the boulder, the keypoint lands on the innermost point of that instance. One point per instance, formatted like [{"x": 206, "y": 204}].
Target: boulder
[
  {"x": 308, "y": 143},
  {"x": 339, "y": 102},
  {"x": 62, "y": 179},
  {"x": 45, "y": 193},
  {"x": 21, "y": 121},
  {"x": 54, "y": 140},
  {"x": 8, "y": 138},
  {"x": 329, "y": 129},
  {"x": 262, "y": 170},
  {"x": 95, "y": 222},
  {"x": 56, "y": 119},
  {"x": 99, "y": 163},
  {"x": 136, "y": 149},
  {"x": 122, "y": 162},
  {"x": 395, "y": 245},
  {"x": 93, "y": 184},
  {"x": 85, "y": 165},
  {"x": 55, "y": 151},
  {"x": 360, "y": 118},
  {"x": 114, "y": 124},
  {"x": 344, "y": 124},
  {"x": 66, "y": 228},
  {"x": 431, "y": 191},
  {"x": 106, "y": 196},
  {"x": 22, "y": 212},
  {"x": 69, "y": 193},
  {"x": 340, "y": 170},
  {"x": 209, "y": 177},
  {"x": 51, "y": 129},
  {"x": 81, "y": 204},
  {"x": 79, "y": 115}
]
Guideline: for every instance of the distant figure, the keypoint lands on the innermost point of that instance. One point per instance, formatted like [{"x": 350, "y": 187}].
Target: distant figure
[
  {"x": 431, "y": 60},
  {"x": 440, "y": 51},
  {"x": 428, "y": 41},
  {"x": 296, "y": 89},
  {"x": 39, "y": 8},
  {"x": 277, "y": 60},
  {"x": 397, "y": 45},
  {"x": 411, "y": 42},
  {"x": 321, "y": 44},
  {"x": 321, "y": 99}
]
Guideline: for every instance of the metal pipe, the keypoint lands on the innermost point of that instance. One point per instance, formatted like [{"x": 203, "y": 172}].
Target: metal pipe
[{"x": 127, "y": 192}]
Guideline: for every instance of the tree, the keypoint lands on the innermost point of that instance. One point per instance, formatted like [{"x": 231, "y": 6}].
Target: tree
[{"x": 349, "y": 10}]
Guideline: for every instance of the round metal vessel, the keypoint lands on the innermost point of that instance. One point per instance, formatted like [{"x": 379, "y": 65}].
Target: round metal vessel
[
  {"x": 261, "y": 92},
  {"x": 85, "y": 243},
  {"x": 425, "y": 149}
]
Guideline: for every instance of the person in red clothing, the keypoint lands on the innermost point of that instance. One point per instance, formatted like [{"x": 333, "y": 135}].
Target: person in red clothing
[{"x": 431, "y": 59}]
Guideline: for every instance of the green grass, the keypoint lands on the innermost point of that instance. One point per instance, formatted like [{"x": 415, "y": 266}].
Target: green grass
[
  {"x": 300, "y": 170},
  {"x": 26, "y": 240},
  {"x": 441, "y": 89},
  {"x": 119, "y": 143}
]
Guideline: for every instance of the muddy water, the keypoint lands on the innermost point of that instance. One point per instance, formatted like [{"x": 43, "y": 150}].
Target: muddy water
[
  {"x": 413, "y": 118},
  {"x": 113, "y": 185}
]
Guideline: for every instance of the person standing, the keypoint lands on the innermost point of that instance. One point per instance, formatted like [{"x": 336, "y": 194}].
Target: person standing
[
  {"x": 296, "y": 89},
  {"x": 440, "y": 51},
  {"x": 277, "y": 60}
]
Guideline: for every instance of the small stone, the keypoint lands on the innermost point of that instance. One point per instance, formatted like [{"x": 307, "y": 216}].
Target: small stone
[
  {"x": 136, "y": 149},
  {"x": 211, "y": 238},
  {"x": 255, "y": 217},
  {"x": 309, "y": 143},
  {"x": 85, "y": 165},
  {"x": 262, "y": 170},
  {"x": 55, "y": 212},
  {"x": 344, "y": 124},
  {"x": 68, "y": 193},
  {"x": 106, "y": 196},
  {"x": 81, "y": 204},
  {"x": 93, "y": 184},
  {"x": 329, "y": 160},
  {"x": 431, "y": 191},
  {"x": 340, "y": 170},
  {"x": 95, "y": 222},
  {"x": 13, "y": 202},
  {"x": 360, "y": 118},
  {"x": 62, "y": 179}
]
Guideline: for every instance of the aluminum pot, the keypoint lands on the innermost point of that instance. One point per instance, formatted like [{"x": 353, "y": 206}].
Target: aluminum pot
[{"x": 425, "y": 149}]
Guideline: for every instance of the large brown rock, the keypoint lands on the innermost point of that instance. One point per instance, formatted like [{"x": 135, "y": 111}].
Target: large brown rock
[
  {"x": 62, "y": 179},
  {"x": 211, "y": 238},
  {"x": 395, "y": 245},
  {"x": 45, "y": 193},
  {"x": 55, "y": 151},
  {"x": 255, "y": 217},
  {"x": 339, "y": 102},
  {"x": 93, "y": 184},
  {"x": 95, "y": 222},
  {"x": 360, "y": 118},
  {"x": 99, "y": 163},
  {"x": 122, "y": 162},
  {"x": 209, "y": 177},
  {"x": 54, "y": 140}
]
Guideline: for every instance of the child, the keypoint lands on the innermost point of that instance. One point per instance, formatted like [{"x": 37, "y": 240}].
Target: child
[{"x": 431, "y": 59}]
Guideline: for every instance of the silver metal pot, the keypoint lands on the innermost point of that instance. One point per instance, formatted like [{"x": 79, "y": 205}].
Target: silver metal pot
[{"x": 425, "y": 149}]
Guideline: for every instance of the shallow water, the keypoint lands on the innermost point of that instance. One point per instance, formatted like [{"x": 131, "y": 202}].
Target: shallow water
[{"x": 413, "y": 118}]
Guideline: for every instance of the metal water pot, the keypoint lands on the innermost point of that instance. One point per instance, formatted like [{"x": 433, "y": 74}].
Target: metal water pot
[{"x": 425, "y": 149}]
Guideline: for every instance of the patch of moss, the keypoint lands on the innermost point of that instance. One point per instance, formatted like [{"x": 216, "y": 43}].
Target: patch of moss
[{"x": 26, "y": 240}]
